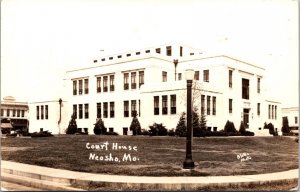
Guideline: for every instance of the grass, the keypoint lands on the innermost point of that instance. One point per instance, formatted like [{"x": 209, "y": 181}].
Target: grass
[{"x": 158, "y": 156}]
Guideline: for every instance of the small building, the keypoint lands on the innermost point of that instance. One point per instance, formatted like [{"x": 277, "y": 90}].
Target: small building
[
  {"x": 292, "y": 114},
  {"x": 49, "y": 116},
  {"x": 14, "y": 115}
]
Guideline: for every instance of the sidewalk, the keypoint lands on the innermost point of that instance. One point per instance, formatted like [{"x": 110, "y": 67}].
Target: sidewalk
[{"x": 145, "y": 182}]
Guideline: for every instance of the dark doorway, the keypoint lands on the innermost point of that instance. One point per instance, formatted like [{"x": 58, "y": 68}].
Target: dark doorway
[
  {"x": 125, "y": 131},
  {"x": 246, "y": 118}
]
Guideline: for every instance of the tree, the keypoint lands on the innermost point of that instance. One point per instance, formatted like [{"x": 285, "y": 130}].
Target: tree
[
  {"x": 72, "y": 127},
  {"x": 99, "y": 127},
  {"x": 181, "y": 126},
  {"x": 285, "y": 125},
  {"x": 198, "y": 131},
  {"x": 229, "y": 127},
  {"x": 242, "y": 128},
  {"x": 135, "y": 126}
]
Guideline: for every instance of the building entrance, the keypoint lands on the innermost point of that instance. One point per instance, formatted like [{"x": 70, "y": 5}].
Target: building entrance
[{"x": 246, "y": 118}]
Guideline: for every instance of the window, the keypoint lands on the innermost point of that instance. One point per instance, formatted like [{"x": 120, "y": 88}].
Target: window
[
  {"x": 46, "y": 111},
  {"x": 126, "y": 108},
  {"x": 105, "y": 109},
  {"x": 42, "y": 112},
  {"x": 258, "y": 85},
  {"x": 173, "y": 104},
  {"x": 74, "y": 87},
  {"x": 75, "y": 111},
  {"x": 138, "y": 53},
  {"x": 105, "y": 86},
  {"x": 86, "y": 111},
  {"x": 133, "y": 108},
  {"x": 112, "y": 83},
  {"x": 245, "y": 88},
  {"x": 202, "y": 104},
  {"x": 192, "y": 53},
  {"x": 156, "y": 105},
  {"x": 98, "y": 84},
  {"x": 208, "y": 105},
  {"x": 230, "y": 105},
  {"x": 111, "y": 129},
  {"x": 164, "y": 76},
  {"x": 103, "y": 59},
  {"x": 128, "y": 55},
  {"x": 214, "y": 105},
  {"x": 95, "y": 61},
  {"x": 196, "y": 75},
  {"x": 133, "y": 80},
  {"x": 80, "y": 111},
  {"x": 2, "y": 112},
  {"x": 80, "y": 87},
  {"x": 272, "y": 111},
  {"x": 179, "y": 76},
  {"x": 230, "y": 78},
  {"x": 14, "y": 112},
  {"x": 126, "y": 83},
  {"x": 112, "y": 109},
  {"x": 157, "y": 50},
  {"x": 164, "y": 104},
  {"x": 86, "y": 86},
  {"x": 37, "y": 112},
  {"x": 296, "y": 120},
  {"x": 269, "y": 111},
  {"x": 206, "y": 76},
  {"x": 141, "y": 78},
  {"x": 275, "y": 112},
  {"x": 181, "y": 51},
  {"x": 258, "y": 109},
  {"x": 18, "y": 113},
  {"x": 111, "y": 58},
  {"x": 23, "y": 113},
  {"x": 119, "y": 56},
  {"x": 8, "y": 112},
  {"x": 99, "y": 110},
  {"x": 147, "y": 51},
  {"x": 169, "y": 51}
]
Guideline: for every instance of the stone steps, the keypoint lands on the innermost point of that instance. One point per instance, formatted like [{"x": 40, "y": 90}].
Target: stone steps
[{"x": 37, "y": 181}]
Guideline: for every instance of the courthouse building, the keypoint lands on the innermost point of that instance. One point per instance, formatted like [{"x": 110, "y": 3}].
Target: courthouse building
[{"x": 151, "y": 83}]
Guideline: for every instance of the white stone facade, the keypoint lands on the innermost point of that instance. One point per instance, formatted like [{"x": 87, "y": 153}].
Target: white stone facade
[
  {"x": 154, "y": 69},
  {"x": 49, "y": 116}
]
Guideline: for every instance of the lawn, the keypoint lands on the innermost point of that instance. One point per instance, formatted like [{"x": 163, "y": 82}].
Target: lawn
[{"x": 155, "y": 156}]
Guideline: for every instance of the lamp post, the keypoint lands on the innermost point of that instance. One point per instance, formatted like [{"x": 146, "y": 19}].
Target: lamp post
[
  {"x": 188, "y": 162},
  {"x": 60, "y": 102}
]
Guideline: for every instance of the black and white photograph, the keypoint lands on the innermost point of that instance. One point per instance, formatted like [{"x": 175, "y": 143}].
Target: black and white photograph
[{"x": 146, "y": 95}]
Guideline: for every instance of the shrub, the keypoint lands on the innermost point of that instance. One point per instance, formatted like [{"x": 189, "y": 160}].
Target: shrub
[
  {"x": 229, "y": 127},
  {"x": 270, "y": 126},
  {"x": 135, "y": 126},
  {"x": 242, "y": 128},
  {"x": 198, "y": 129},
  {"x": 111, "y": 133},
  {"x": 144, "y": 132},
  {"x": 158, "y": 130},
  {"x": 41, "y": 134},
  {"x": 285, "y": 125},
  {"x": 248, "y": 133},
  {"x": 72, "y": 127},
  {"x": 219, "y": 133},
  {"x": 99, "y": 127},
  {"x": 171, "y": 132},
  {"x": 181, "y": 126}
]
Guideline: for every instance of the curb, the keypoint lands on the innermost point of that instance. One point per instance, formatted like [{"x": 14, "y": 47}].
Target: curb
[{"x": 67, "y": 179}]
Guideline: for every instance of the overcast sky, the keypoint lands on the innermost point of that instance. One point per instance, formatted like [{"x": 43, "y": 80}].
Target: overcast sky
[{"x": 40, "y": 39}]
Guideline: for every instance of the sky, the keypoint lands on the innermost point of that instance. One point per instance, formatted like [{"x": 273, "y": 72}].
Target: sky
[{"x": 41, "y": 39}]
